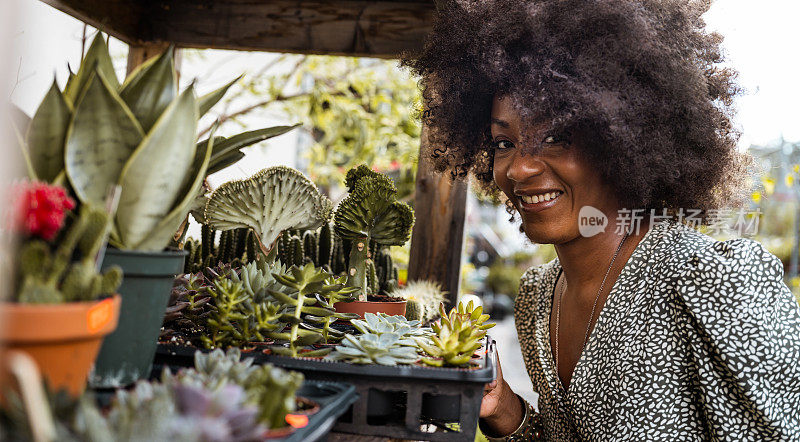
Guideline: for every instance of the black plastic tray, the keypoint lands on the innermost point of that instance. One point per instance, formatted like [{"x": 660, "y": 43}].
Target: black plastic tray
[
  {"x": 334, "y": 399},
  {"x": 393, "y": 401}
]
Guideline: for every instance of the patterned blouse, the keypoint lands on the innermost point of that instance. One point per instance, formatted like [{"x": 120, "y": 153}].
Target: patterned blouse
[{"x": 698, "y": 340}]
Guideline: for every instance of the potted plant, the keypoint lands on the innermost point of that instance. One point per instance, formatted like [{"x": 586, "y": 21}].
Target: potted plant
[
  {"x": 370, "y": 214},
  {"x": 141, "y": 136},
  {"x": 63, "y": 307}
]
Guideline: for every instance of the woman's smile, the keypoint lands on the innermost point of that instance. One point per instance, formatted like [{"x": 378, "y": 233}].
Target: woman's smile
[{"x": 536, "y": 201}]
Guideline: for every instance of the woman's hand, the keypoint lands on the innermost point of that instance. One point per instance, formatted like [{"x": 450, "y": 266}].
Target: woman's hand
[{"x": 501, "y": 409}]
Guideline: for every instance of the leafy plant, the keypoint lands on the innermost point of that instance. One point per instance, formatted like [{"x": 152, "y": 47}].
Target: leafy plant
[
  {"x": 370, "y": 212},
  {"x": 271, "y": 201},
  {"x": 384, "y": 349},
  {"x": 306, "y": 283},
  {"x": 334, "y": 291},
  {"x": 140, "y": 135},
  {"x": 48, "y": 275},
  {"x": 456, "y": 336},
  {"x": 424, "y": 298}
]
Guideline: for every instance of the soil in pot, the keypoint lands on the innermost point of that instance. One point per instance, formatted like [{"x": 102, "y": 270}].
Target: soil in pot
[
  {"x": 127, "y": 354},
  {"x": 63, "y": 339}
]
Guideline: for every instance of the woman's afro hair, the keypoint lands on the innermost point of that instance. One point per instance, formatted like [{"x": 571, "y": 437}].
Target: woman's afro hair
[{"x": 640, "y": 77}]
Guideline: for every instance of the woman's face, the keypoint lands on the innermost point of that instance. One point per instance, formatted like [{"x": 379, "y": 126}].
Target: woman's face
[{"x": 548, "y": 187}]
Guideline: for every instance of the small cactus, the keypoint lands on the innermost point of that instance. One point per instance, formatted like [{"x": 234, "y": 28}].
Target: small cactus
[
  {"x": 325, "y": 244},
  {"x": 413, "y": 310}
]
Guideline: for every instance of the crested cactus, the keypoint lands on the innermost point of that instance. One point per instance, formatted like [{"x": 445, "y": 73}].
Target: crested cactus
[
  {"x": 271, "y": 201},
  {"x": 370, "y": 212},
  {"x": 140, "y": 135}
]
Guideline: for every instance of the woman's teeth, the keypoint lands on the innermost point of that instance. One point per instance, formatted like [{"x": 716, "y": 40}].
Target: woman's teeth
[{"x": 533, "y": 199}]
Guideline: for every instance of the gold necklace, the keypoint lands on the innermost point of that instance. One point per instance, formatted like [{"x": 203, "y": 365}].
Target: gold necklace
[{"x": 588, "y": 326}]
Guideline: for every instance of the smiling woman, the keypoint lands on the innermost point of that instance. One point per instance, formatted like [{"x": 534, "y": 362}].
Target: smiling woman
[{"x": 596, "y": 110}]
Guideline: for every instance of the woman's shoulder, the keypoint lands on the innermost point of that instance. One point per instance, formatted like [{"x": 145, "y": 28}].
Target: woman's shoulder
[
  {"x": 709, "y": 274},
  {"x": 537, "y": 280},
  {"x": 690, "y": 253}
]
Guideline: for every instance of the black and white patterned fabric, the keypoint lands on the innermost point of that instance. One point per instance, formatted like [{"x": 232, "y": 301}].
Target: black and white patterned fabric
[{"x": 699, "y": 339}]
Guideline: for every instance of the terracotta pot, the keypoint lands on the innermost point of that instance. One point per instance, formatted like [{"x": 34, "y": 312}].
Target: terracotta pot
[
  {"x": 63, "y": 339},
  {"x": 361, "y": 307}
]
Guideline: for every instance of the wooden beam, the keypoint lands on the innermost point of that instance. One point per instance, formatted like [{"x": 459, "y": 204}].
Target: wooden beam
[
  {"x": 119, "y": 18},
  {"x": 141, "y": 52},
  {"x": 349, "y": 27},
  {"x": 438, "y": 237}
]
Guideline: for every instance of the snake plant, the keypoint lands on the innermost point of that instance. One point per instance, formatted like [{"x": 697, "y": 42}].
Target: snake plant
[{"x": 140, "y": 135}]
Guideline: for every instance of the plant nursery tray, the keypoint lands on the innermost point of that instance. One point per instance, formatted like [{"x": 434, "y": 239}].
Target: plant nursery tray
[
  {"x": 406, "y": 401},
  {"x": 333, "y": 399}
]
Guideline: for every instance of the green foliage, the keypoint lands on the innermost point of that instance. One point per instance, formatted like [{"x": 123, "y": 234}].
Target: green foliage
[
  {"x": 140, "y": 135},
  {"x": 306, "y": 283},
  {"x": 48, "y": 276},
  {"x": 271, "y": 201},
  {"x": 383, "y": 349},
  {"x": 456, "y": 336}
]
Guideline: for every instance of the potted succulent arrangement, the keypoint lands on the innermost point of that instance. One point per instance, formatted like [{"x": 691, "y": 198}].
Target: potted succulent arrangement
[
  {"x": 63, "y": 306},
  {"x": 220, "y": 398},
  {"x": 370, "y": 214},
  {"x": 139, "y": 135}
]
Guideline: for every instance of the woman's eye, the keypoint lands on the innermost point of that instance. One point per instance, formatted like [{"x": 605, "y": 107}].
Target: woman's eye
[
  {"x": 503, "y": 145},
  {"x": 550, "y": 140},
  {"x": 556, "y": 139}
]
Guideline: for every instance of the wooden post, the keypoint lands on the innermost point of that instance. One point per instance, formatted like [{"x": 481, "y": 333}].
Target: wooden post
[
  {"x": 141, "y": 52},
  {"x": 438, "y": 237}
]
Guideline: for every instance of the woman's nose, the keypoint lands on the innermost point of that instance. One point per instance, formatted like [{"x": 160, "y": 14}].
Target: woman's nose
[{"x": 523, "y": 166}]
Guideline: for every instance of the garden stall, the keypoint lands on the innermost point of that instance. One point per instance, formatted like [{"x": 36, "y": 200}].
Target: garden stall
[
  {"x": 370, "y": 29},
  {"x": 380, "y": 29}
]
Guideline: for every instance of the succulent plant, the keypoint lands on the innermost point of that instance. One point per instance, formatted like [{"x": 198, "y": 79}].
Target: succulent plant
[
  {"x": 271, "y": 201},
  {"x": 140, "y": 135},
  {"x": 456, "y": 336},
  {"x": 236, "y": 319},
  {"x": 49, "y": 275},
  {"x": 384, "y": 349},
  {"x": 334, "y": 290},
  {"x": 306, "y": 283},
  {"x": 382, "y": 323},
  {"x": 427, "y": 295},
  {"x": 370, "y": 212},
  {"x": 270, "y": 388}
]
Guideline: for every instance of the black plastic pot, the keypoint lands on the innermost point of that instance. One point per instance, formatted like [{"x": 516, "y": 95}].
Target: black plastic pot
[{"x": 127, "y": 354}]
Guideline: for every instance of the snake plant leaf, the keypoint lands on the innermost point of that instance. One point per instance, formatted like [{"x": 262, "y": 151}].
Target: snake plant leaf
[
  {"x": 207, "y": 101},
  {"x": 97, "y": 56},
  {"x": 161, "y": 234},
  {"x": 24, "y": 150},
  {"x": 46, "y": 134},
  {"x": 150, "y": 90},
  {"x": 244, "y": 139},
  {"x": 269, "y": 202},
  {"x": 154, "y": 175},
  {"x": 19, "y": 118},
  {"x": 101, "y": 138}
]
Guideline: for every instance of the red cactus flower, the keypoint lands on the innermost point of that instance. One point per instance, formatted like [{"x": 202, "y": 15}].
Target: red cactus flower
[{"x": 41, "y": 208}]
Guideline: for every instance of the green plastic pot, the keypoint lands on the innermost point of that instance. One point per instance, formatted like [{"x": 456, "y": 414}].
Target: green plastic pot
[{"x": 127, "y": 354}]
